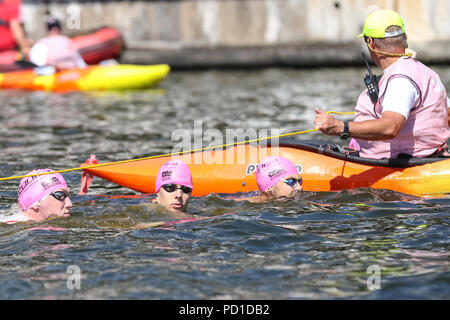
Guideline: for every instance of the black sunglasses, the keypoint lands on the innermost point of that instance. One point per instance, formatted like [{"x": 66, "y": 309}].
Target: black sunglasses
[
  {"x": 292, "y": 182},
  {"x": 172, "y": 187},
  {"x": 60, "y": 195}
]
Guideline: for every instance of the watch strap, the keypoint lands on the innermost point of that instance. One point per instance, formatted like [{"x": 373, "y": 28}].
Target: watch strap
[{"x": 346, "y": 133}]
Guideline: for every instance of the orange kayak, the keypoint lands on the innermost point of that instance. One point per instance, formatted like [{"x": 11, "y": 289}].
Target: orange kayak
[{"x": 322, "y": 169}]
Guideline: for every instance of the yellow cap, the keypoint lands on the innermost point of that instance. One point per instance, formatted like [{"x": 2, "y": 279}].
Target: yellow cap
[{"x": 378, "y": 21}]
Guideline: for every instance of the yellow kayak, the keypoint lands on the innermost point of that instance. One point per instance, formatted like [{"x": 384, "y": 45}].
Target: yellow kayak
[{"x": 116, "y": 77}]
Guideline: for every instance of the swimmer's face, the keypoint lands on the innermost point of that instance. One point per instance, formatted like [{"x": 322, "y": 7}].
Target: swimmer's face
[
  {"x": 174, "y": 197},
  {"x": 287, "y": 187},
  {"x": 57, "y": 203}
]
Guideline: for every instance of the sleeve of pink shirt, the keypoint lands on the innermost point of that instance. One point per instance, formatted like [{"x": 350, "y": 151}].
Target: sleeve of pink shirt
[{"x": 400, "y": 96}]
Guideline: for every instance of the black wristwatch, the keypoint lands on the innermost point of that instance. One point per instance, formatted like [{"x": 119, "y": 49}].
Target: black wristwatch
[{"x": 346, "y": 133}]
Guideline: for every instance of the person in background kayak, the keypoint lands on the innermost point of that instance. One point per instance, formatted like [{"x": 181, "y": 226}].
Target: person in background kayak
[
  {"x": 409, "y": 117},
  {"x": 277, "y": 178},
  {"x": 173, "y": 186},
  {"x": 56, "y": 49},
  {"x": 41, "y": 197},
  {"x": 12, "y": 33}
]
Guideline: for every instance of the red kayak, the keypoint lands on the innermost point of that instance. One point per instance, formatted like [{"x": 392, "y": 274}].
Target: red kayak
[{"x": 102, "y": 44}]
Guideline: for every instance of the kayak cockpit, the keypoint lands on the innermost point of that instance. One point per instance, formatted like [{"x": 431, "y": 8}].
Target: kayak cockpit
[{"x": 348, "y": 154}]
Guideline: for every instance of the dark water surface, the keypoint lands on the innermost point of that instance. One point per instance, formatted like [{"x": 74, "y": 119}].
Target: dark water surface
[{"x": 290, "y": 250}]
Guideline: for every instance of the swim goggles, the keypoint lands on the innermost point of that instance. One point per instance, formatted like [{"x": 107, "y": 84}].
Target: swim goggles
[
  {"x": 60, "y": 195},
  {"x": 172, "y": 187},
  {"x": 292, "y": 182}
]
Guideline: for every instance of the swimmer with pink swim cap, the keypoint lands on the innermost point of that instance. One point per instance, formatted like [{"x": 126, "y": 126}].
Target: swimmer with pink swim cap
[
  {"x": 42, "y": 196},
  {"x": 277, "y": 178},
  {"x": 174, "y": 186}
]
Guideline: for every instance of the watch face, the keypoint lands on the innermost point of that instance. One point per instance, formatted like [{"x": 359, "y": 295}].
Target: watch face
[{"x": 345, "y": 135}]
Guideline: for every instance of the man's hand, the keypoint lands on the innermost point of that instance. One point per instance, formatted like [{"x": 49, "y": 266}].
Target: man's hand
[
  {"x": 385, "y": 128},
  {"x": 327, "y": 123}
]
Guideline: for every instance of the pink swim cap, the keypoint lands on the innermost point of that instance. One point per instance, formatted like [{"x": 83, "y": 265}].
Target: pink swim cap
[
  {"x": 35, "y": 188},
  {"x": 173, "y": 171},
  {"x": 271, "y": 170}
]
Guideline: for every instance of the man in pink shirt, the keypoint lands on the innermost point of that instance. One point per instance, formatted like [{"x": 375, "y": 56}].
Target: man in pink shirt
[
  {"x": 408, "y": 117},
  {"x": 56, "y": 49}
]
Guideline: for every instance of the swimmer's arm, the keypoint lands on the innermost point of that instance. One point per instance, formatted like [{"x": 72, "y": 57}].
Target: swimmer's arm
[
  {"x": 317, "y": 203},
  {"x": 254, "y": 199},
  {"x": 145, "y": 225}
]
